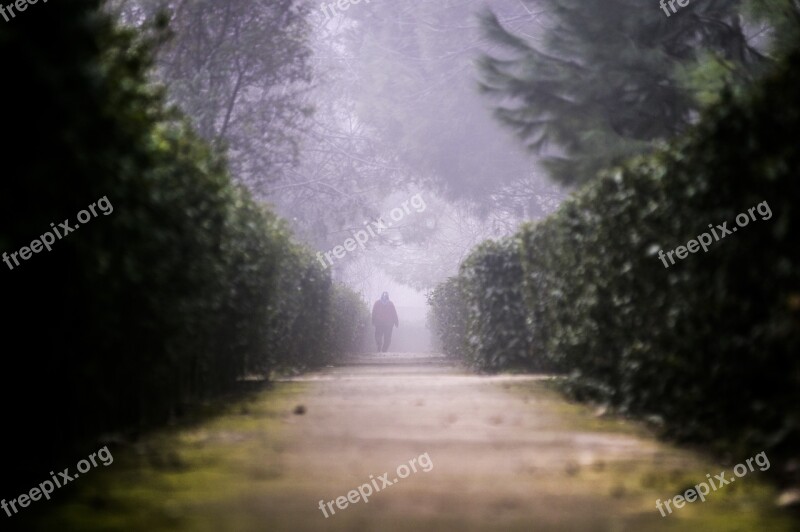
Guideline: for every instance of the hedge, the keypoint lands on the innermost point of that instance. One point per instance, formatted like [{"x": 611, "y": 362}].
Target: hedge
[
  {"x": 707, "y": 346},
  {"x": 447, "y": 318},
  {"x": 480, "y": 316},
  {"x": 187, "y": 287}
]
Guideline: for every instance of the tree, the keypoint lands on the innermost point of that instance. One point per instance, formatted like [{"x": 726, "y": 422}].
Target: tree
[
  {"x": 239, "y": 69},
  {"x": 603, "y": 81},
  {"x": 411, "y": 68}
]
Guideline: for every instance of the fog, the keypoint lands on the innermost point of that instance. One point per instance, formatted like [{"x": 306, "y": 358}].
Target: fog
[{"x": 381, "y": 103}]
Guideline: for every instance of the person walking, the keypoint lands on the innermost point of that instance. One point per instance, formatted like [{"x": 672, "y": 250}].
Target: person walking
[{"x": 384, "y": 318}]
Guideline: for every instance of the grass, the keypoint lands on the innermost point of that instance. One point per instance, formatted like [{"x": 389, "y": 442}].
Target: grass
[{"x": 170, "y": 478}]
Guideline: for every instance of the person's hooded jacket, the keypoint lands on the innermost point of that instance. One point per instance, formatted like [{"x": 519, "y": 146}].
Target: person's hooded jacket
[{"x": 384, "y": 313}]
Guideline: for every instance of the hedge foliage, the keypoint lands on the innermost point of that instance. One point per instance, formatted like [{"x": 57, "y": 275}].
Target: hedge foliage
[
  {"x": 709, "y": 345},
  {"x": 447, "y": 318},
  {"x": 480, "y": 315},
  {"x": 185, "y": 288}
]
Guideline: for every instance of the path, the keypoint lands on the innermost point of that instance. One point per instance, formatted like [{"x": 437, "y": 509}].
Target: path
[{"x": 507, "y": 453}]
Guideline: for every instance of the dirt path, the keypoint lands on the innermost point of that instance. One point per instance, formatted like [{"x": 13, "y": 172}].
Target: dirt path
[{"x": 501, "y": 453}]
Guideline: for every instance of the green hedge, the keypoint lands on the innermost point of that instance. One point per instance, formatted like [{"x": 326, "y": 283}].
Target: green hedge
[
  {"x": 495, "y": 313},
  {"x": 480, "y": 316},
  {"x": 314, "y": 321},
  {"x": 447, "y": 318},
  {"x": 186, "y": 287},
  {"x": 709, "y": 345},
  {"x": 348, "y": 323}
]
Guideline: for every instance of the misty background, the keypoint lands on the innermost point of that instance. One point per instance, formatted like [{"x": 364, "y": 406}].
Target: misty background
[
  {"x": 335, "y": 116},
  {"x": 336, "y": 121}
]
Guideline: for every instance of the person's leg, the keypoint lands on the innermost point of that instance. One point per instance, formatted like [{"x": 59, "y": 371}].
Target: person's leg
[
  {"x": 378, "y": 337},
  {"x": 387, "y": 337}
]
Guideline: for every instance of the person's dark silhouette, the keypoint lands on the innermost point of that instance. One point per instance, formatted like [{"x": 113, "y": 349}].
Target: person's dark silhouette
[{"x": 384, "y": 318}]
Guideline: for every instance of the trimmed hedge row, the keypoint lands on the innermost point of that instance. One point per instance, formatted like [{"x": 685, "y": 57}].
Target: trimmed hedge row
[
  {"x": 709, "y": 345},
  {"x": 185, "y": 288},
  {"x": 487, "y": 301},
  {"x": 447, "y": 318}
]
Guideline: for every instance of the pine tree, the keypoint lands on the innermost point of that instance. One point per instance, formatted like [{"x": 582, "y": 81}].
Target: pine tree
[{"x": 603, "y": 81}]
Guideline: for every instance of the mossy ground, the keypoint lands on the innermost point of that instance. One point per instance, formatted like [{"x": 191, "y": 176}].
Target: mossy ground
[
  {"x": 507, "y": 453},
  {"x": 173, "y": 477},
  {"x": 744, "y": 506}
]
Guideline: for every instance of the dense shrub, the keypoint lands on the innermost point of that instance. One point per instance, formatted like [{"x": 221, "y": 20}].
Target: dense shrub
[
  {"x": 708, "y": 345},
  {"x": 347, "y": 324},
  {"x": 480, "y": 316},
  {"x": 187, "y": 286},
  {"x": 313, "y": 320},
  {"x": 496, "y": 319},
  {"x": 447, "y": 318}
]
